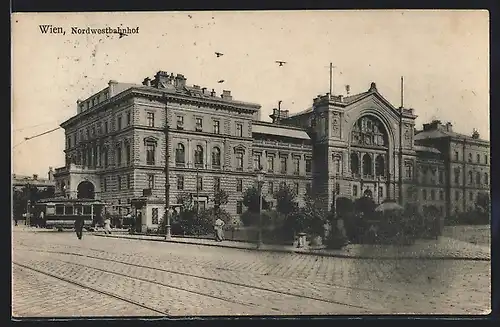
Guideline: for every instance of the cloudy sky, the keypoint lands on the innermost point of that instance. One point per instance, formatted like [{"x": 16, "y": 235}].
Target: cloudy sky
[{"x": 443, "y": 55}]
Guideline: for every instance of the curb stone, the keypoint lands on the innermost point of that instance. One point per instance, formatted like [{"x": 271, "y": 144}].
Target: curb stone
[{"x": 306, "y": 252}]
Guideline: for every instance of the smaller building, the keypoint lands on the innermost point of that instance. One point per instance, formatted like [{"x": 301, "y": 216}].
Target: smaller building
[{"x": 20, "y": 181}]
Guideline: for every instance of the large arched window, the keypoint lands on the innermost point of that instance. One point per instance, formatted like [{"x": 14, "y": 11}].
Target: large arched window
[
  {"x": 354, "y": 164},
  {"x": 368, "y": 130},
  {"x": 380, "y": 166},
  {"x": 486, "y": 179},
  {"x": 216, "y": 157},
  {"x": 470, "y": 177},
  {"x": 478, "y": 178},
  {"x": 367, "y": 165},
  {"x": 198, "y": 156},
  {"x": 180, "y": 155}
]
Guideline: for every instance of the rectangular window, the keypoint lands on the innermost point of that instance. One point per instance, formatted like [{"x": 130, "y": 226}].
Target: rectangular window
[
  {"x": 441, "y": 177},
  {"x": 129, "y": 118},
  {"x": 471, "y": 196},
  {"x": 355, "y": 190},
  {"x": 180, "y": 182},
  {"x": 308, "y": 166},
  {"x": 199, "y": 183},
  {"x": 424, "y": 194},
  {"x": 270, "y": 188},
  {"x": 106, "y": 127},
  {"x": 457, "y": 175},
  {"x": 150, "y": 153},
  {"x": 216, "y": 184},
  {"x": 68, "y": 210},
  {"x": 239, "y": 185},
  {"x": 87, "y": 133},
  {"x": 93, "y": 131},
  {"x": 118, "y": 156},
  {"x": 239, "y": 161},
  {"x": 239, "y": 207},
  {"x": 433, "y": 195},
  {"x": 296, "y": 188},
  {"x": 151, "y": 181},
  {"x": 456, "y": 155},
  {"x": 296, "y": 166},
  {"x": 99, "y": 128},
  {"x": 478, "y": 158},
  {"x": 308, "y": 189},
  {"x": 151, "y": 119},
  {"x": 485, "y": 159},
  {"x": 119, "y": 122},
  {"x": 470, "y": 157},
  {"x": 381, "y": 191},
  {"x": 129, "y": 181},
  {"x": 199, "y": 124},
  {"x": 68, "y": 142},
  {"x": 59, "y": 209},
  {"x": 119, "y": 182},
  {"x": 127, "y": 153},
  {"x": 239, "y": 129},
  {"x": 441, "y": 195},
  {"x": 81, "y": 135},
  {"x": 154, "y": 216},
  {"x": 457, "y": 195},
  {"x": 270, "y": 163},
  {"x": 283, "y": 165},
  {"x": 105, "y": 184},
  {"x": 180, "y": 122},
  {"x": 216, "y": 127},
  {"x": 256, "y": 161}
]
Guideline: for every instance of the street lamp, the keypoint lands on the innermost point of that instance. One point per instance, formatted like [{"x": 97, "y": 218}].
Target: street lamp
[
  {"x": 168, "y": 233},
  {"x": 260, "y": 182}
]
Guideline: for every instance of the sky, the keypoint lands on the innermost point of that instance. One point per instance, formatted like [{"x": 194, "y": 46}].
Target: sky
[{"x": 443, "y": 56}]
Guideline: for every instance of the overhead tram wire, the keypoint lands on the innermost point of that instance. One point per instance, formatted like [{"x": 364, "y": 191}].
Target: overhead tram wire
[{"x": 35, "y": 136}]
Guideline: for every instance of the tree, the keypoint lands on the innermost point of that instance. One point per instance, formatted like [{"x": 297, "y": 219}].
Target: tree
[
  {"x": 220, "y": 198},
  {"x": 483, "y": 202},
  {"x": 315, "y": 217},
  {"x": 344, "y": 206},
  {"x": 251, "y": 200},
  {"x": 285, "y": 198}
]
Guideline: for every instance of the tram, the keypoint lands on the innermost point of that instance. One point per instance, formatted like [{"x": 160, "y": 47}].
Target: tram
[{"x": 61, "y": 213}]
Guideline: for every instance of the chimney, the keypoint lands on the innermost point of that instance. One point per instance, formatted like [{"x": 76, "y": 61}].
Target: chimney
[
  {"x": 196, "y": 87},
  {"x": 180, "y": 81},
  {"x": 35, "y": 177},
  {"x": 226, "y": 95},
  {"x": 51, "y": 174},
  {"x": 79, "y": 106},
  {"x": 146, "y": 82},
  {"x": 213, "y": 93},
  {"x": 112, "y": 88},
  {"x": 341, "y": 98},
  {"x": 347, "y": 89},
  {"x": 449, "y": 127},
  {"x": 475, "y": 134},
  {"x": 161, "y": 77},
  {"x": 203, "y": 89}
]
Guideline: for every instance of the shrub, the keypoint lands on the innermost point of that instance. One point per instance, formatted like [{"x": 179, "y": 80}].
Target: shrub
[{"x": 249, "y": 218}]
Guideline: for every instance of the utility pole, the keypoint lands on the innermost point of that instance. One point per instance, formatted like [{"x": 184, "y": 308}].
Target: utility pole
[
  {"x": 197, "y": 194},
  {"x": 168, "y": 234},
  {"x": 331, "y": 79},
  {"x": 279, "y": 112}
]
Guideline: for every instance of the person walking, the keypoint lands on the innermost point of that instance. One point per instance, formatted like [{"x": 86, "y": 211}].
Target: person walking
[
  {"x": 79, "y": 222},
  {"x": 107, "y": 225},
  {"x": 219, "y": 232}
]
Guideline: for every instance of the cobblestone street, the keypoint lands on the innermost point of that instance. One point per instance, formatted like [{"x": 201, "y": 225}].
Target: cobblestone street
[{"x": 55, "y": 274}]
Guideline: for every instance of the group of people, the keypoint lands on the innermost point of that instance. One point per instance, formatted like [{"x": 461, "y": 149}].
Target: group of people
[{"x": 80, "y": 223}]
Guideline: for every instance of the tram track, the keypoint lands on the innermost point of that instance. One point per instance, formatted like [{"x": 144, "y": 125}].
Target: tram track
[
  {"x": 188, "y": 275},
  {"x": 319, "y": 282},
  {"x": 93, "y": 289}
]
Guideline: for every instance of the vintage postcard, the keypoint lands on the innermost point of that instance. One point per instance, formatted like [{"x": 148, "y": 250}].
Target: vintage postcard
[{"x": 252, "y": 163}]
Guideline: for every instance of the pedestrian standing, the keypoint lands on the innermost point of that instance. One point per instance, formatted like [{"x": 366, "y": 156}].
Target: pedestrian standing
[
  {"x": 219, "y": 232},
  {"x": 107, "y": 225}
]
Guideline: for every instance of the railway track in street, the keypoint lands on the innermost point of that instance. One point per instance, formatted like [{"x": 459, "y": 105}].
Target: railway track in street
[
  {"x": 93, "y": 289},
  {"x": 123, "y": 270}
]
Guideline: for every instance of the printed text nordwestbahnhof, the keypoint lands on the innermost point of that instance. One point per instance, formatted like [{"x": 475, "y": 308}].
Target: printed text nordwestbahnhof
[{"x": 51, "y": 29}]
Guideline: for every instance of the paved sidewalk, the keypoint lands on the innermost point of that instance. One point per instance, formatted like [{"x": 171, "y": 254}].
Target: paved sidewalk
[{"x": 443, "y": 248}]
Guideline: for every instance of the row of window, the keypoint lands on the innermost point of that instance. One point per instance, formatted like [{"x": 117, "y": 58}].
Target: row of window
[
  {"x": 457, "y": 196},
  {"x": 257, "y": 163},
  {"x": 469, "y": 159},
  {"x": 91, "y": 158},
  {"x": 99, "y": 128},
  {"x": 471, "y": 180},
  {"x": 367, "y": 165},
  {"x": 215, "y": 125},
  {"x": 355, "y": 191}
]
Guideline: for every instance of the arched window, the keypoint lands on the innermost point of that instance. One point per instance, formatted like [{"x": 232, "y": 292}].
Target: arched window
[
  {"x": 180, "y": 155},
  {"x": 380, "y": 166},
  {"x": 150, "y": 152},
  {"x": 457, "y": 175},
  {"x": 216, "y": 157},
  {"x": 368, "y": 130},
  {"x": 367, "y": 165},
  {"x": 478, "y": 178},
  {"x": 470, "y": 177},
  {"x": 198, "y": 156},
  {"x": 354, "y": 164},
  {"x": 486, "y": 179}
]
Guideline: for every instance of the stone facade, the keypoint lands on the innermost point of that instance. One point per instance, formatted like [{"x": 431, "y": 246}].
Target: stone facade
[{"x": 341, "y": 146}]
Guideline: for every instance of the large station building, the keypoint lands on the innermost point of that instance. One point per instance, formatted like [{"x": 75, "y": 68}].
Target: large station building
[{"x": 346, "y": 145}]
